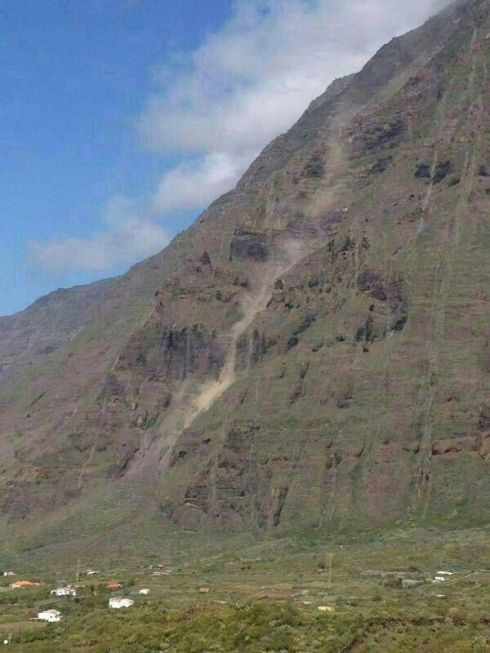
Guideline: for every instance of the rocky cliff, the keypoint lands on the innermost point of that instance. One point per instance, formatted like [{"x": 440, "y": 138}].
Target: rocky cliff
[{"x": 314, "y": 351}]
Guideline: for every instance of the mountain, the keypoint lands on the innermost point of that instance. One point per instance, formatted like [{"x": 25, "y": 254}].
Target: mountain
[
  {"x": 313, "y": 353},
  {"x": 46, "y": 325}
]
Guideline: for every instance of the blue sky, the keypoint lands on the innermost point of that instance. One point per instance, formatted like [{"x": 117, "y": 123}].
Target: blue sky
[
  {"x": 75, "y": 75},
  {"x": 121, "y": 119}
]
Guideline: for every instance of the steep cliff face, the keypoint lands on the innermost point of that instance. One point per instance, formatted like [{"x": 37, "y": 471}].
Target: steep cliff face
[{"x": 316, "y": 352}]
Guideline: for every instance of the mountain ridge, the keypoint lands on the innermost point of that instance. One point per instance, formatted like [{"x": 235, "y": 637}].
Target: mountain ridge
[
  {"x": 45, "y": 325},
  {"x": 205, "y": 379}
]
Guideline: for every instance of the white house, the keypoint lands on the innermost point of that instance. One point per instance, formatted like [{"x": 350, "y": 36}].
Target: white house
[
  {"x": 50, "y": 615},
  {"x": 64, "y": 591},
  {"x": 92, "y": 572},
  {"x": 144, "y": 590},
  {"x": 120, "y": 602}
]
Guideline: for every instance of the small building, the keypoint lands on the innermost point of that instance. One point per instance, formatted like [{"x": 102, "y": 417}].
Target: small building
[
  {"x": 50, "y": 615},
  {"x": 92, "y": 572},
  {"x": 23, "y": 584},
  {"x": 144, "y": 590},
  {"x": 68, "y": 590},
  {"x": 114, "y": 586},
  {"x": 120, "y": 602},
  {"x": 9, "y": 573}
]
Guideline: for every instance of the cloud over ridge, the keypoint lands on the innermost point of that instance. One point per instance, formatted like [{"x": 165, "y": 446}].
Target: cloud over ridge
[
  {"x": 216, "y": 107},
  {"x": 125, "y": 237}
]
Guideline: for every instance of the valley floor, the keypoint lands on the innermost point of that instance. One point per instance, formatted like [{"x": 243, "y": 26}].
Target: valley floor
[{"x": 378, "y": 593}]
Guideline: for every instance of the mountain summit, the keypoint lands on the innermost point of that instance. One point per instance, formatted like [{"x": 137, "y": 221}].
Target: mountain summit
[{"x": 314, "y": 352}]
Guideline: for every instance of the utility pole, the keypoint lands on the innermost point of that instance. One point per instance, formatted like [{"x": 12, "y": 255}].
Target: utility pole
[
  {"x": 78, "y": 571},
  {"x": 330, "y": 563}
]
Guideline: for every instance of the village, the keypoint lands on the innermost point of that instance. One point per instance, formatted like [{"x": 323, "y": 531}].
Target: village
[
  {"x": 319, "y": 588},
  {"x": 187, "y": 596},
  {"x": 118, "y": 594},
  {"x": 338, "y": 583}
]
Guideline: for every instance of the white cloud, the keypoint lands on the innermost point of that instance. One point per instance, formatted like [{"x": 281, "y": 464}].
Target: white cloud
[
  {"x": 219, "y": 105},
  {"x": 193, "y": 185},
  {"x": 247, "y": 83},
  {"x": 125, "y": 238}
]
